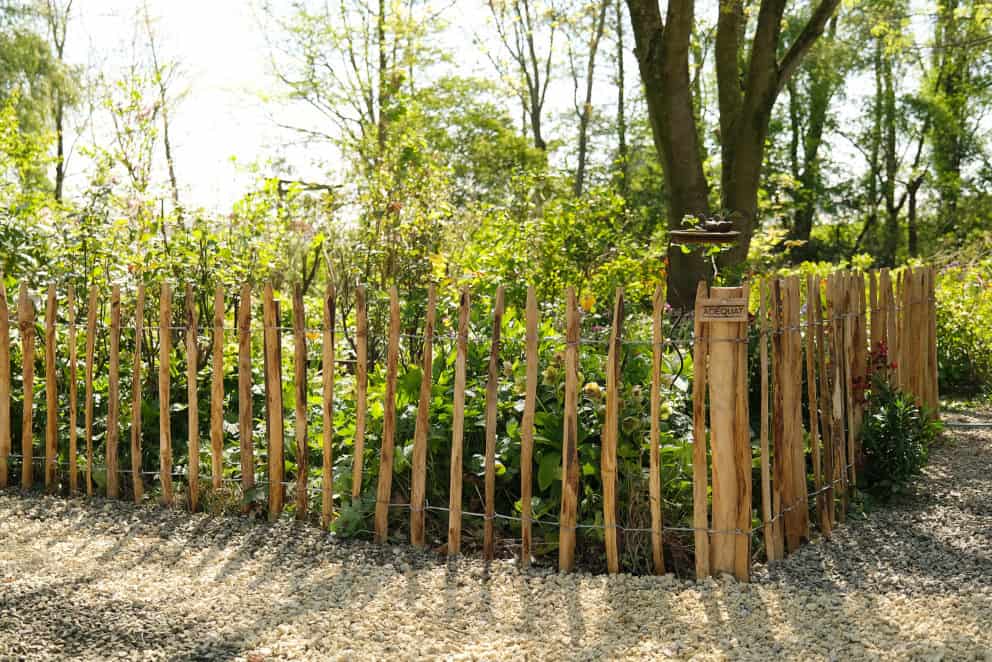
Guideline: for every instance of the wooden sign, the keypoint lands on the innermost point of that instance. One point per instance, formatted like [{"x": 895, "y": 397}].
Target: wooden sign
[{"x": 722, "y": 310}]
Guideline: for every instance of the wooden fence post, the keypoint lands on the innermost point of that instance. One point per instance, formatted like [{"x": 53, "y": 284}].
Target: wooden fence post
[
  {"x": 611, "y": 432},
  {"x": 114, "y": 395},
  {"x": 164, "y": 379},
  {"x": 771, "y": 549},
  {"x": 812, "y": 303},
  {"x": 327, "y": 369},
  {"x": 458, "y": 430},
  {"x": 300, "y": 426},
  {"x": 192, "y": 401},
  {"x": 422, "y": 430},
  {"x": 570, "y": 439},
  {"x": 273, "y": 401},
  {"x": 25, "y": 321},
  {"x": 847, "y": 285},
  {"x": 5, "y": 436},
  {"x": 835, "y": 315},
  {"x": 492, "y": 397},
  {"x": 824, "y": 501},
  {"x": 730, "y": 486},
  {"x": 73, "y": 394},
  {"x": 88, "y": 405},
  {"x": 654, "y": 480},
  {"x": 384, "y": 488},
  {"x": 931, "y": 305},
  {"x": 217, "y": 391},
  {"x": 137, "y": 480},
  {"x": 51, "y": 395},
  {"x": 361, "y": 390},
  {"x": 527, "y": 428},
  {"x": 700, "y": 479},
  {"x": 246, "y": 418}
]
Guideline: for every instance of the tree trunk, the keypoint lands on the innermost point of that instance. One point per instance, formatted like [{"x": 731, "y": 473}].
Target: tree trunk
[
  {"x": 664, "y": 65},
  {"x": 585, "y": 113},
  {"x": 621, "y": 165}
]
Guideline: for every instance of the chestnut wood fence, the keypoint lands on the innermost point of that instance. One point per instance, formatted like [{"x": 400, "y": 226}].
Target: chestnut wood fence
[{"x": 828, "y": 334}]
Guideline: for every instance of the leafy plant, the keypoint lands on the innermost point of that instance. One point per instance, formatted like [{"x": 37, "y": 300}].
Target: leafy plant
[{"x": 896, "y": 437}]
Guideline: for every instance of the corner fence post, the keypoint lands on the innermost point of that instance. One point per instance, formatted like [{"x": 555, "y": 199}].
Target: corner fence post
[{"x": 725, "y": 313}]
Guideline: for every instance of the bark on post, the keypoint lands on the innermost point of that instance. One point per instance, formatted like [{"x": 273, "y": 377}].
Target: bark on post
[
  {"x": 5, "y": 437},
  {"x": 700, "y": 479},
  {"x": 73, "y": 394},
  {"x": 654, "y": 481},
  {"x": 88, "y": 405},
  {"x": 300, "y": 369},
  {"x": 361, "y": 390},
  {"x": 114, "y": 395},
  {"x": 492, "y": 400},
  {"x": 192, "y": 401},
  {"x": 457, "y": 431},
  {"x": 25, "y": 321},
  {"x": 246, "y": 418},
  {"x": 327, "y": 368},
  {"x": 611, "y": 432},
  {"x": 570, "y": 439},
  {"x": 164, "y": 378},
  {"x": 137, "y": 481},
  {"x": 422, "y": 430},
  {"x": 51, "y": 395},
  {"x": 217, "y": 392},
  {"x": 527, "y": 428},
  {"x": 384, "y": 488},
  {"x": 273, "y": 401}
]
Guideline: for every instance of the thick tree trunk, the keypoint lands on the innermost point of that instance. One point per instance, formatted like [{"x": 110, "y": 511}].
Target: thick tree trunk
[{"x": 663, "y": 60}]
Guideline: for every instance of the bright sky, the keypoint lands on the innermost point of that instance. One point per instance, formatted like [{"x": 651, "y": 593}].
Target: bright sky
[{"x": 224, "y": 58}]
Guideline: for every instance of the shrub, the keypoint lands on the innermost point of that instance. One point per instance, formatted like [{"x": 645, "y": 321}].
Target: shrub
[{"x": 895, "y": 438}]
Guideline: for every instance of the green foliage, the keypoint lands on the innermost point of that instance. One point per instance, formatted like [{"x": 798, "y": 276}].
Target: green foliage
[
  {"x": 964, "y": 347},
  {"x": 896, "y": 438}
]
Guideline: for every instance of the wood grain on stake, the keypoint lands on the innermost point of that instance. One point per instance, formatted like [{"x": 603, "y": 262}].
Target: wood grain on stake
[
  {"x": 114, "y": 394},
  {"x": 73, "y": 394},
  {"x": 812, "y": 291},
  {"x": 217, "y": 391},
  {"x": 5, "y": 436},
  {"x": 742, "y": 447},
  {"x": 384, "y": 488},
  {"x": 700, "y": 483},
  {"x": 51, "y": 395},
  {"x": 825, "y": 499},
  {"x": 849, "y": 368},
  {"x": 361, "y": 389},
  {"x": 611, "y": 430},
  {"x": 136, "y": 383},
  {"x": 422, "y": 430},
  {"x": 492, "y": 398},
  {"x": 273, "y": 401},
  {"x": 88, "y": 405},
  {"x": 527, "y": 428},
  {"x": 164, "y": 378},
  {"x": 932, "y": 349},
  {"x": 25, "y": 322},
  {"x": 458, "y": 430},
  {"x": 192, "y": 401},
  {"x": 246, "y": 419},
  {"x": 766, "y": 482},
  {"x": 570, "y": 439},
  {"x": 836, "y": 308},
  {"x": 654, "y": 440},
  {"x": 327, "y": 368},
  {"x": 300, "y": 426},
  {"x": 723, "y": 434}
]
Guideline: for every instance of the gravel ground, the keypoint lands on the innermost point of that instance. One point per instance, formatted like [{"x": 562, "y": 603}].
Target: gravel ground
[{"x": 99, "y": 580}]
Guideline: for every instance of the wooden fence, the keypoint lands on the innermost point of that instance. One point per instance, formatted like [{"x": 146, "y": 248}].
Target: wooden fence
[{"x": 850, "y": 323}]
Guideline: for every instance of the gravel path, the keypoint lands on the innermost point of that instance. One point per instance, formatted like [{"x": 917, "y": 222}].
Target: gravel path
[{"x": 99, "y": 580}]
